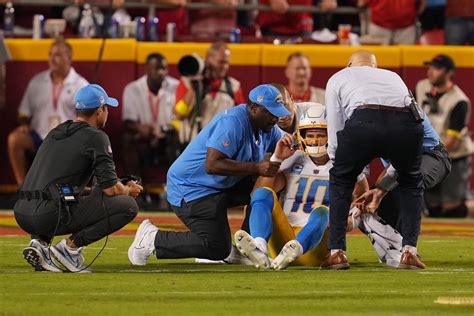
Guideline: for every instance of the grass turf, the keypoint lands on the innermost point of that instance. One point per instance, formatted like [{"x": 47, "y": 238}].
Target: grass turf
[{"x": 181, "y": 287}]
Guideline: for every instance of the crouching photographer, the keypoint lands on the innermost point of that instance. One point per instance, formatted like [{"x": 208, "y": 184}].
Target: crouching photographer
[
  {"x": 52, "y": 198},
  {"x": 204, "y": 90}
]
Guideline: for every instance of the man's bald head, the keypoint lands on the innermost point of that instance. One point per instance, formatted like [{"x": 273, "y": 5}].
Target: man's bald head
[{"x": 362, "y": 58}]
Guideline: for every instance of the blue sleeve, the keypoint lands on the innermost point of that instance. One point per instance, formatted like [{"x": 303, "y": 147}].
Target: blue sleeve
[{"x": 225, "y": 136}]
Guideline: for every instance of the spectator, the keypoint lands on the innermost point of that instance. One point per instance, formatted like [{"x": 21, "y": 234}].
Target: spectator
[
  {"x": 280, "y": 22},
  {"x": 48, "y": 101},
  {"x": 448, "y": 109},
  {"x": 209, "y": 23},
  {"x": 459, "y": 26},
  {"x": 147, "y": 112},
  {"x": 218, "y": 92},
  {"x": 298, "y": 72},
  {"x": 394, "y": 21}
]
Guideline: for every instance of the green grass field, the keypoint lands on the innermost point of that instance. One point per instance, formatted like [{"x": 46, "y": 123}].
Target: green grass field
[{"x": 182, "y": 287}]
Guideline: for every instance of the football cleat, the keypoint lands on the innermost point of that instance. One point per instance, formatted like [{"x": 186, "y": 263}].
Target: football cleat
[
  {"x": 246, "y": 245},
  {"x": 289, "y": 253}
]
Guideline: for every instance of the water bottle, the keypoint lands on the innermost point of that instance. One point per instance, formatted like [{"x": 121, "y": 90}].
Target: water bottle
[
  {"x": 235, "y": 35},
  {"x": 9, "y": 20},
  {"x": 153, "y": 29},
  {"x": 140, "y": 28},
  {"x": 114, "y": 28},
  {"x": 87, "y": 25},
  {"x": 38, "y": 26},
  {"x": 171, "y": 32}
]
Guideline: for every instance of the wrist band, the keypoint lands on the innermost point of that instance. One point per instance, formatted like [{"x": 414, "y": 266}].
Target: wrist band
[{"x": 274, "y": 158}]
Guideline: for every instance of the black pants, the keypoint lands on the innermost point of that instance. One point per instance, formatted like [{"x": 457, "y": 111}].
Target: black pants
[
  {"x": 435, "y": 167},
  {"x": 370, "y": 134},
  {"x": 86, "y": 220},
  {"x": 209, "y": 234}
]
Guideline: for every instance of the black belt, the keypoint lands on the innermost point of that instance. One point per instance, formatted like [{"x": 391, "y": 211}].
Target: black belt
[
  {"x": 35, "y": 195},
  {"x": 383, "y": 108}
]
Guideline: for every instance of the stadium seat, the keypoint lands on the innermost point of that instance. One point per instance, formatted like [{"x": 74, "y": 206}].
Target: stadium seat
[{"x": 433, "y": 37}]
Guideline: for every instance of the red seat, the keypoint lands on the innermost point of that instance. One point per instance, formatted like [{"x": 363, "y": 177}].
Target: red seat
[{"x": 433, "y": 37}]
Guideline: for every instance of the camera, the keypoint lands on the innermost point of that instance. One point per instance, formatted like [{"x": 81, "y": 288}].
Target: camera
[{"x": 191, "y": 65}]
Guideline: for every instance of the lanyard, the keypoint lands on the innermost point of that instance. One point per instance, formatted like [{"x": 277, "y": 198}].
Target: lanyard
[
  {"x": 304, "y": 97},
  {"x": 154, "y": 107},
  {"x": 56, "y": 92}
]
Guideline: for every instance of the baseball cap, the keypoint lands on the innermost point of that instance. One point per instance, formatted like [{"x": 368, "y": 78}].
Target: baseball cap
[
  {"x": 269, "y": 97},
  {"x": 92, "y": 96},
  {"x": 442, "y": 61}
]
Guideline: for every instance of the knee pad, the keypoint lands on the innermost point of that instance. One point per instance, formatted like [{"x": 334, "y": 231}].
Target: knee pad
[{"x": 263, "y": 196}]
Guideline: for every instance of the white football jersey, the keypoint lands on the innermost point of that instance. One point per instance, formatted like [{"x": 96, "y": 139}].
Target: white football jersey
[{"x": 307, "y": 187}]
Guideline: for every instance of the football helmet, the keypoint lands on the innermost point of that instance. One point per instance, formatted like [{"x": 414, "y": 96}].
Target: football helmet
[{"x": 312, "y": 118}]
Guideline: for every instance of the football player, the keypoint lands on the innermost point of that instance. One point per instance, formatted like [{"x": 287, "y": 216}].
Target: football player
[{"x": 294, "y": 228}]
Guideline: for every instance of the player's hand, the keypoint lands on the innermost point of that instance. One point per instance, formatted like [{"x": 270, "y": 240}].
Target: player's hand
[
  {"x": 134, "y": 189},
  {"x": 279, "y": 6},
  {"x": 284, "y": 147},
  {"x": 370, "y": 200},
  {"x": 267, "y": 168}
]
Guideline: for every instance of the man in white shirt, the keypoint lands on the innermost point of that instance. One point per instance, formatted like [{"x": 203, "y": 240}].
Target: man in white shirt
[
  {"x": 369, "y": 116},
  {"x": 147, "y": 112},
  {"x": 298, "y": 71},
  {"x": 47, "y": 102}
]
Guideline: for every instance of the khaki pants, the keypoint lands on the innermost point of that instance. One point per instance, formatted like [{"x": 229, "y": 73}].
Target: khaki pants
[{"x": 402, "y": 36}]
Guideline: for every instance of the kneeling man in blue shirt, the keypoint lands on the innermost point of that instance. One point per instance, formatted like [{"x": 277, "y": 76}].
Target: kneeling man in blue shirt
[{"x": 214, "y": 173}]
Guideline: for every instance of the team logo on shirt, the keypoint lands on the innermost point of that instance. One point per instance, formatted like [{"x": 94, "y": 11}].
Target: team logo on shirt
[{"x": 226, "y": 143}]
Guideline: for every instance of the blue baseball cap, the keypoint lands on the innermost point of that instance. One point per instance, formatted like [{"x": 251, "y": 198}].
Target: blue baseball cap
[
  {"x": 93, "y": 96},
  {"x": 269, "y": 97}
]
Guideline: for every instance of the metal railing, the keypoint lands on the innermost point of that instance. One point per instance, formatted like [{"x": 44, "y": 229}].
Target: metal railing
[{"x": 189, "y": 6}]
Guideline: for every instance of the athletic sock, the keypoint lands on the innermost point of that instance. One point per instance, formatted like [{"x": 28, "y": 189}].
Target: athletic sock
[
  {"x": 261, "y": 244},
  {"x": 261, "y": 216}
]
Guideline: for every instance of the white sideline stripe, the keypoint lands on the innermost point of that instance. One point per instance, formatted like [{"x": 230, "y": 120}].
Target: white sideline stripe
[{"x": 455, "y": 300}]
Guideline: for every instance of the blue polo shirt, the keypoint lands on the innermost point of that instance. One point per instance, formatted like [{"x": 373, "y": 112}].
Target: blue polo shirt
[
  {"x": 430, "y": 137},
  {"x": 231, "y": 133}
]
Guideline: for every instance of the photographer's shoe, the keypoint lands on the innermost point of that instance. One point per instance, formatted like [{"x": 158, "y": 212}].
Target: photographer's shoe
[
  {"x": 71, "y": 259},
  {"x": 289, "y": 253},
  {"x": 38, "y": 256},
  {"x": 246, "y": 245},
  {"x": 143, "y": 245}
]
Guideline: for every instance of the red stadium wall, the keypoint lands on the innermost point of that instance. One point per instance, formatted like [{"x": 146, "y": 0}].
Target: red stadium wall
[{"x": 252, "y": 64}]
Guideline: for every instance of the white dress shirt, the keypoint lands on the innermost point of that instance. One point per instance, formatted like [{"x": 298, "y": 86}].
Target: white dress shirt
[
  {"x": 37, "y": 102},
  {"x": 355, "y": 86},
  {"x": 136, "y": 102}
]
